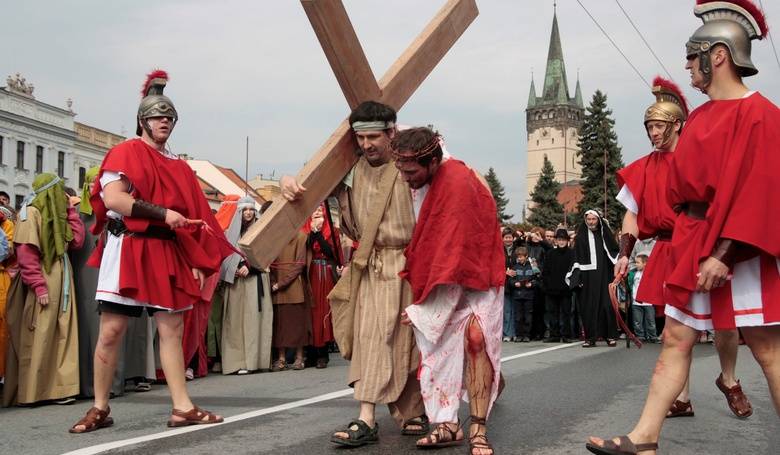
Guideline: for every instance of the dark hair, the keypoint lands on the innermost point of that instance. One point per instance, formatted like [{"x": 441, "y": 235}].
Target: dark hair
[
  {"x": 3, "y": 193},
  {"x": 265, "y": 206},
  {"x": 507, "y": 231},
  {"x": 70, "y": 191},
  {"x": 372, "y": 111},
  {"x": 643, "y": 257},
  {"x": 521, "y": 250},
  {"x": 417, "y": 140}
]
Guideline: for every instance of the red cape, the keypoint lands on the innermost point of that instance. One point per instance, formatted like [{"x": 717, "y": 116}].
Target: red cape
[
  {"x": 457, "y": 239},
  {"x": 152, "y": 270},
  {"x": 646, "y": 178},
  {"x": 727, "y": 156}
]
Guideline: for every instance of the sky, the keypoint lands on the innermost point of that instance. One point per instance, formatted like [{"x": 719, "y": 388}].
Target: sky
[{"x": 256, "y": 69}]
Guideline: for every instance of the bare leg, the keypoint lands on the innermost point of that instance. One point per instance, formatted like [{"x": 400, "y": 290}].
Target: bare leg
[
  {"x": 684, "y": 396},
  {"x": 170, "y": 327},
  {"x": 112, "y": 330},
  {"x": 727, "y": 344},
  {"x": 479, "y": 382},
  {"x": 669, "y": 377},
  {"x": 764, "y": 342}
]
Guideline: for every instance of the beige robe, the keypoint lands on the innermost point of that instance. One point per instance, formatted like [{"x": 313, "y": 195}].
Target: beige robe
[
  {"x": 246, "y": 332},
  {"x": 384, "y": 358},
  {"x": 48, "y": 350}
]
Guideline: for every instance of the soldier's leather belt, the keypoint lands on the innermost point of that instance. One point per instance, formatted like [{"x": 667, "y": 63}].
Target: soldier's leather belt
[{"x": 118, "y": 227}]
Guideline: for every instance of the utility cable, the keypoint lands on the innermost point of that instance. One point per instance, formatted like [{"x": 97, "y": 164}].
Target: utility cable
[{"x": 643, "y": 39}]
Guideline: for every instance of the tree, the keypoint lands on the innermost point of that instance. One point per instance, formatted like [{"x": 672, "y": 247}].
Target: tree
[
  {"x": 498, "y": 194},
  {"x": 546, "y": 212},
  {"x": 598, "y": 140}
]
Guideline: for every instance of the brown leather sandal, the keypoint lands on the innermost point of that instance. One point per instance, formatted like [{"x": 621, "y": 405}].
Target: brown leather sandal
[
  {"x": 194, "y": 416},
  {"x": 680, "y": 409},
  {"x": 625, "y": 447},
  {"x": 736, "y": 398},
  {"x": 94, "y": 420},
  {"x": 444, "y": 435},
  {"x": 479, "y": 440}
]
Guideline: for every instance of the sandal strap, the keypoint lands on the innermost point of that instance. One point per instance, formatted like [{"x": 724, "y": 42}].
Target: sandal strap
[
  {"x": 195, "y": 414},
  {"x": 478, "y": 420},
  {"x": 93, "y": 417},
  {"x": 440, "y": 436}
]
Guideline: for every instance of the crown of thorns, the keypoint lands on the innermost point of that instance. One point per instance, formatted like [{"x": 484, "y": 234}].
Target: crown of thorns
[{"x": 417, "y": 154}]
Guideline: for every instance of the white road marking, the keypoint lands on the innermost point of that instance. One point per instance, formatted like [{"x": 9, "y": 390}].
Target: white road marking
[{"x": 260, "y": 412}]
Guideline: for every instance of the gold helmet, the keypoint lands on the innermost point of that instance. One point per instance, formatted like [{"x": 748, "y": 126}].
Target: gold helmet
[{"x": 670, "y": 106}]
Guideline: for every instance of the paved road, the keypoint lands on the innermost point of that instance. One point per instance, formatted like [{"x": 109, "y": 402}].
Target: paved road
[{"x": 554, "y": 399}]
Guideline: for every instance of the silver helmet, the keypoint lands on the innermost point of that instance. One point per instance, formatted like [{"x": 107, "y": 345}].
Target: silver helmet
[
  {"x": 154, "y": 103},
  {"x": 734, "y": 24}
]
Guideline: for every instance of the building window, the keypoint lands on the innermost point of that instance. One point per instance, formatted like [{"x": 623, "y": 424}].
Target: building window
[
  {"x": 61, "y": 164},
  {"x": 82, "y": 176},
  {"x": 19, "y": 155},
  {"x": 19, "y": 200},
  {"x": 39, "y": 159}
]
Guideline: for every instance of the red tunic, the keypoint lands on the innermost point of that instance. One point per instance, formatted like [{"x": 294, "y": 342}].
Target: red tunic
[
  {"x": 321, "y": 281},
  {"x": 457, "y": 239},
  {"x": 646, "y": 179},
  {"x": 727, "y": 156},
  {"x": 154, "y": 270}
]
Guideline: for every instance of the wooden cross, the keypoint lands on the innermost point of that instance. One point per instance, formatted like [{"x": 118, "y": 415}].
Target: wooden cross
[{"x": 266, "y": 238}]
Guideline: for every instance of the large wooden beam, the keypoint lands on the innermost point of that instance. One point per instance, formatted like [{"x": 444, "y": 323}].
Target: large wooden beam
[
  {"x": 342, "y": 48},
  {"x": 266, "y": 238}
]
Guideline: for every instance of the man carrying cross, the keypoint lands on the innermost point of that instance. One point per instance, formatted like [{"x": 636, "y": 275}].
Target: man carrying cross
[{"x": 376, "y": 211}]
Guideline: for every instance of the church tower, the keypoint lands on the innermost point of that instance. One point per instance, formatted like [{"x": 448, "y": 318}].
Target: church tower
[{"x": 553, "y": 120}]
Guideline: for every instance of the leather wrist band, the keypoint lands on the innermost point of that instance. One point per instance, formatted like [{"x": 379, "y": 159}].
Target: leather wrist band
[
  {"x": 627, "y": 242},
  {"x": 725, "y": 251},
  {"x": 143, "y": 209}
]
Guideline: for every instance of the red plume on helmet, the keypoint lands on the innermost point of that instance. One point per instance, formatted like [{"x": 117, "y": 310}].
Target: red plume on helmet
[
  {"x": 751, "y": 8},
  {"x": 155, "y": 78},
  {"x": 670, "y": 86}
]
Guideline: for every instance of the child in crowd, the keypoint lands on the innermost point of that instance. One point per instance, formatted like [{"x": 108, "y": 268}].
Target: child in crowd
[
  {"x": 643, "y": 314},
  {"x": 523, "y": 286}
]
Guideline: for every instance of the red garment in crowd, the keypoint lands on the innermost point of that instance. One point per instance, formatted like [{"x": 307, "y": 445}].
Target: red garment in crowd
[
  {"x": 727, "y": 157},
  {"x": 646, "y": 179},
  {"x": 322, "y": 277},
  {"x": 457, "y": 239},
  {"x": 154, "y": 270}
]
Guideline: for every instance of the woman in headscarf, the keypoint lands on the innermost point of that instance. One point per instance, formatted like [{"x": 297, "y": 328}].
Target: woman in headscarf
[
  {"x": 247, "y": 315},
  {"x": 132, "y": 362},
  {"x": 323, "y": 259},
  {"x": 42, "y": 314}
]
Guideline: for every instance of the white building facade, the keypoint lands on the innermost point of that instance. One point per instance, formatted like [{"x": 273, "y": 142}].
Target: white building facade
[{"x": 36, "y": 137}]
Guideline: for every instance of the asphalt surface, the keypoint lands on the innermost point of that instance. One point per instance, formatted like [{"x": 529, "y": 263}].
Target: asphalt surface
[{"x": 552, "y": 402}]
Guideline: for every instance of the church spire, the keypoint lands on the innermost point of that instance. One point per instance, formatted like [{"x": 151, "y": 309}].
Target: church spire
[
  {"x": 532, "y": 94},
  {"x": 555, "y": 89},
  {"x": 578, "y": 93}
]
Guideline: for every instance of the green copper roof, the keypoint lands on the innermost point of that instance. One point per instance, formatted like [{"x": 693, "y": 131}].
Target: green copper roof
[
  {"x": 578, "y": 95},
  {"x": 555, "y": 90}
]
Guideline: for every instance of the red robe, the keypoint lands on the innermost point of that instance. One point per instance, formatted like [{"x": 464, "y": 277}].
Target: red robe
[
  {"x": 728, "y": 157},
  {"x": 160, "y": 271},
  {"x": 457, "y": 239},
  {"x": 646, "y": 179}
]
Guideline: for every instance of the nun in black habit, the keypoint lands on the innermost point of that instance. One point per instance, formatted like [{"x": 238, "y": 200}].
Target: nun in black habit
[{"x": 595, "y": 253}]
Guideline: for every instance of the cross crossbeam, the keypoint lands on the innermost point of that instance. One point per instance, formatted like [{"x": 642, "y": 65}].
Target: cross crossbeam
[{"x": 320, "y": 176}]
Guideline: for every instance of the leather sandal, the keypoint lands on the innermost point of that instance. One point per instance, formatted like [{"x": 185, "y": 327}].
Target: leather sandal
[
  {"x": 680, "y": 409},
  {"x": 358, "y": 434},
  {"x": 94, "y": 420},
  {"x": 479, "y": 440},
  {"x": 736, "y": 398},
  {"x": 420, "y": 421},
  {"x": 444, "y": 435},
  {"x": 194, "y": 416},
  {"x": 625, "y": 447}
]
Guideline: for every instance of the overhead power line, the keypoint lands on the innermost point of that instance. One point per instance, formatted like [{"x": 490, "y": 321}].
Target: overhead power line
[
  {"x": 614, "y": 44},
  {"x": 643, "y": 39},
  {"x": 771, "y": 40}
]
